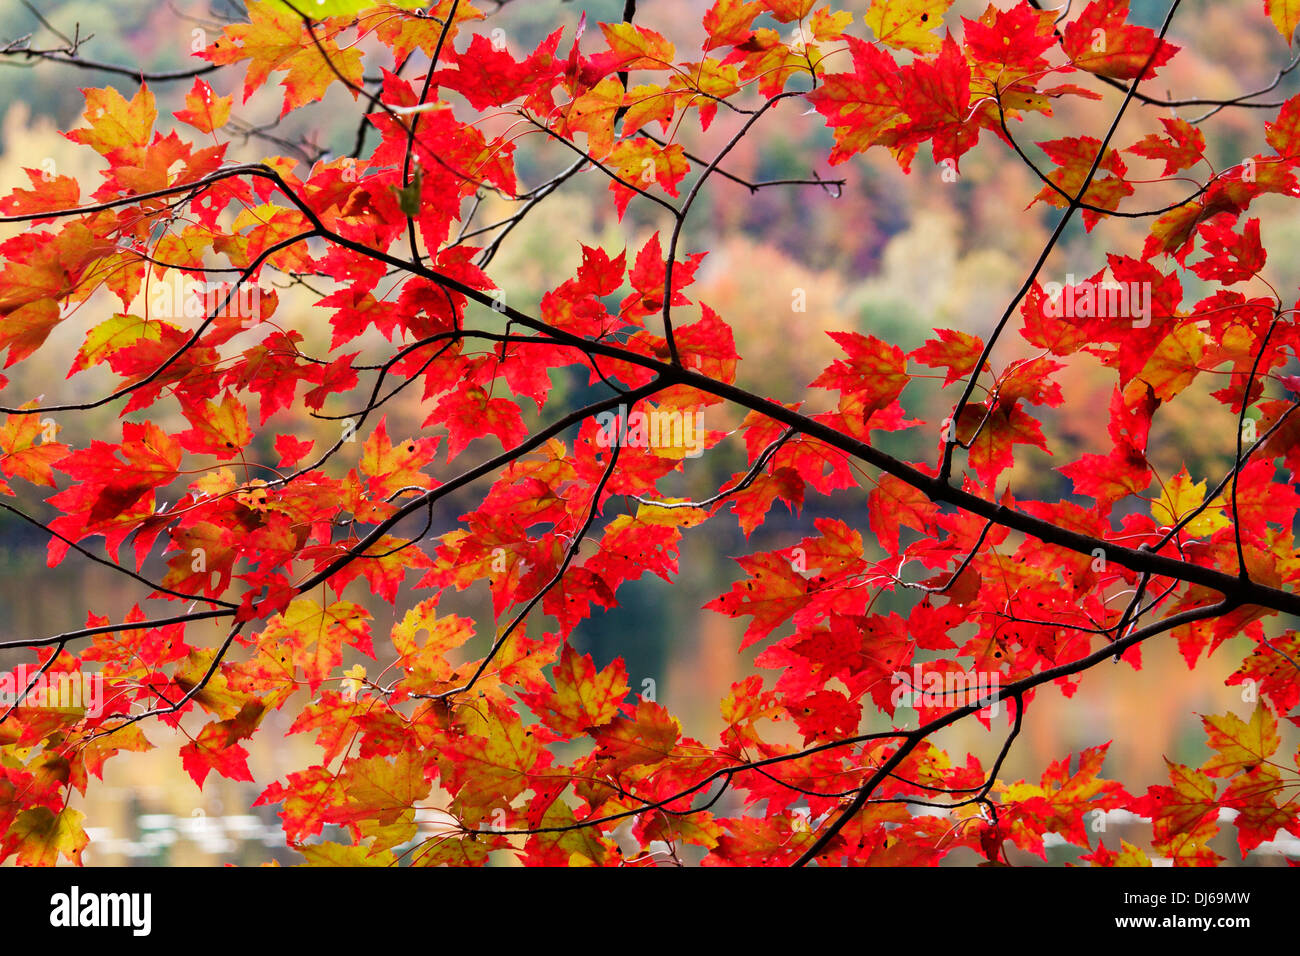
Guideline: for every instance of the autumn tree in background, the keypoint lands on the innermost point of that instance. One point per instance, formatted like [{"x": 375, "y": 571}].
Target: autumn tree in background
[{"x": 572, "y": 419}]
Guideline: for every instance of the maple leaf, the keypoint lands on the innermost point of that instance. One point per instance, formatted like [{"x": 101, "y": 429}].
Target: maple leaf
[
  {"x": 405, "y": 34},
  {"x": 648, "y": 278},
  {"x": 292, "y": 450},
  {"x": 908, "y": 24},
  {"x": 425, "y": 665},
  {"x": 753, "y": 503},
  {"x": 28, "y": 451},
  {"x": 275, "y": 39},
  {"x": 308, "y": 802},
  {"x": 1128, "y": 855},
  {"x": 488, "y": 76},
  {"x": 584, "y": 698},
  {"x": 313, "y": 636},
  {"x": 118, "y": 332},
  {"x": 1008, "y": 45},
  {"x": 207, "y": 681},
  {"x": 648, "y": 103},
  {"x": 560, "y": 844},
  {"x": 955, "y": 351},
  {"x": 204, "y": 109},
  {"x": 593, "y": 113},
  {"x": 1183, "y": 815},
  {"x": 728, "y": 22},
  {"x": 1075, "y": 157},
  {"x": 1183, "y": 148},
  {"x": 27, "y": 327},
  {"x": 894, "y": 503},
  {"x": 391, "y": 468},
  {"x": 1285, "y": 15},
  {"x": 221, "y": 430},
  {"x": 49, "y": 193},
  {"x": 338, "y": 854},
  {"x": 42, "y": 836},
  {"x": 471, "y": 413},
  {"x": 1238, "y": 745},
  {"x": 644, "y": 162},
  {"x": 874, "y": 375},
  {"x": 787, "y": 11},
  {"x": 491, "y": 764},
  {"x": 826, "y": 715},
  {"x": 992, "y": 433},
  {"x": 1101, "y": 41},
  {"x": 386, "y": 792},
  {"x": 341, "y": 8},
  {"x": 771, "y": 595},
  {"x": 864, "y": 106},
  {"x": 117, "y": 127},
  {"x": 1179, "y": 498},
  {"x": 633, "y": 47},
  {"x": 1268, "y": 670},
  {"x": 1058, "y": 803},
  {"x": 150, "y": 458},
  {"x": 1231, "y": 257},
  {"x": 214, "y": 749},
  {"x": 938, "y": 101},
  {"x": 647, "y": 737},
  {"x": 1254, "y": 795}
]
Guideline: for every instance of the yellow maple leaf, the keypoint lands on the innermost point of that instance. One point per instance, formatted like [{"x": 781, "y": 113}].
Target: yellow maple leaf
[
  {"x": 908, "y": 24},
  {"x": 593, "y": 113},
  {"x": 1285, "y": 15},
  {"x": 1180, "y": 497},
  {"x": 1175, "y": 362},
  {"x": 353, "y": 680},
  {"x": 339, "y": 854},
  {"x": 1239, "y": 745},
  {"x": 44, "y": 834}
]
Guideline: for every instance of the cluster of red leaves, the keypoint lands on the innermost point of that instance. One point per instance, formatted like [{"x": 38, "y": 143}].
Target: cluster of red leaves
[{"x": 489, "y": 742}]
